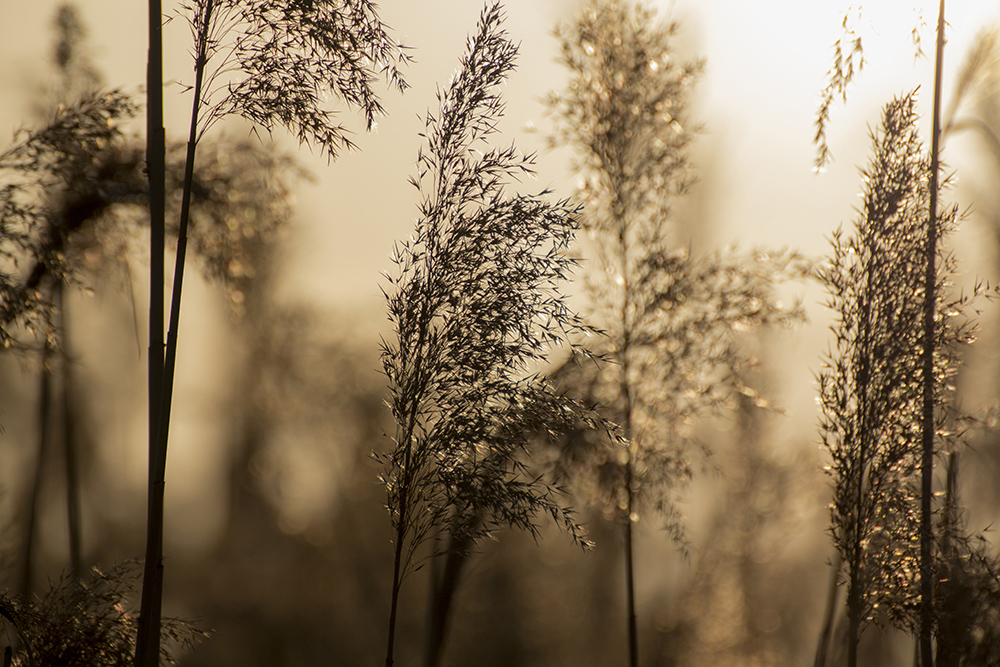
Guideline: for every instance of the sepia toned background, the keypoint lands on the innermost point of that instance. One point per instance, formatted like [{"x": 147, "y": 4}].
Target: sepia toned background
[{"x": 277, "y": 540}]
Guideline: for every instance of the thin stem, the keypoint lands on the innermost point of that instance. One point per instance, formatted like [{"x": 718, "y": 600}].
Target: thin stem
[
  {"x": 436, "y": 574},
  {"x": 445, "y": 579},
  {"x": 401, "y": 522},
  {"x": 853, "y": 616},
  {"x": 396, "y": 583},
  {"x": 633, "y": 634},
  {"x": 182, "y": 238},
  {"x": 855, "y": 594},
  {"x": 148, "y": 632},
  {"x": 35, "y": 494},
  {"x": 406, "y": 474},
  {"x": 404, "y": 491},
  {"x": 152, "y": 598},
  {"x": 930, "y": 302},
  {"x": 626, "y": 388},
  {"x": 829, "y": 614},
  {"x": 946, "y": 654},
  {"x": 69, "y": 439}
]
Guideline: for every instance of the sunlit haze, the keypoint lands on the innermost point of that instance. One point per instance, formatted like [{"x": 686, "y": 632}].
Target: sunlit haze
[{"x": 753, "y": 114}]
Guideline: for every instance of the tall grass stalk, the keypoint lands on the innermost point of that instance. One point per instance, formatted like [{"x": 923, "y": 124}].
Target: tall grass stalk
[
  {"x": 73, "y": 185},
  {"x": 270, "y": 61},
  {"x": 56, "y": 182},
  {"x": 147, "y": 634},
  {"x": 39, "y": 211},
  {"x": 930, "y": 397},
  {"x": 829, "y": 614},
  {"x": 872, "y": 388},
  {"x": 671, "y": 317},
  {"x": 936, "y": 342},
  {"x": 619, "y": 58},
  {"x": 475, "y": 303}
]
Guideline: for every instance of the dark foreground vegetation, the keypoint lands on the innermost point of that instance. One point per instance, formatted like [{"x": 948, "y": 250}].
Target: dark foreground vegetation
[{"x": 574, "y": 435}]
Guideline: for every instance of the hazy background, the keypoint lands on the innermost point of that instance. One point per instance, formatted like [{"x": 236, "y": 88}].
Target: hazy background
[{"x": 765, "y": 66}]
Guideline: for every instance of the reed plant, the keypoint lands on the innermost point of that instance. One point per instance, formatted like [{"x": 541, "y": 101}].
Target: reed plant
[
  {"x": 41, "y": 162},
  {"x": 871, "y": 388},
  {"x": 271, "y": 62},
  {"x": 476, "y": 305},
  {"x": 673, "y": 319},
  {"x": 895, "y": 359},
  {"x": 74, "y": 212},
  {"x": 52, "y": 178}
]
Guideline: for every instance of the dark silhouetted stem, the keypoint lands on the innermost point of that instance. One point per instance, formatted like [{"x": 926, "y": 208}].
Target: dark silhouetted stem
[
  {"x": 829, "y": 615},
  {"x": 401, "y": 526},
  {"x": 148, "y": 634},
  {"x": 152, "y": 598},
  {"x": 444, "y": 584},
  {"x": 406, "y": 478},
  {"x": 69, "y": 439},
  {"x": 626, "y": 388},
  {"x": 633, "y": 633},
  {"x": 947, "y": 653},
  {"x": 170, "y": 361},
  {"x": 853, "y": 617},
  {"x": 35, "y": 494},
  {"x": 930, "y": 303},
  {"x": 397, "y": 561},
  {"x": 855, "y": 592},
  {"x": 396, "y": 582}
]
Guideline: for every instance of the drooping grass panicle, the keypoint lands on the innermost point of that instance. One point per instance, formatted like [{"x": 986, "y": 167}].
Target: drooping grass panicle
[
  {"x": 74, "y": 212},
  {"x": 38, "y": 166},
  {"x": 475, "y": 303},
  {"x": 275, "y": 62},
  {"x": 848, "y": 62}
]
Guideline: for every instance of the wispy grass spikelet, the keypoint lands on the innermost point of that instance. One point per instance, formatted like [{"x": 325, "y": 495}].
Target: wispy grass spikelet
[{"x": 848, "y": 62}]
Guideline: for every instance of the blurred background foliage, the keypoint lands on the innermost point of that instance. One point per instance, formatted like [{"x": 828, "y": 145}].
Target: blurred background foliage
[{"x": 277, "y": 539}]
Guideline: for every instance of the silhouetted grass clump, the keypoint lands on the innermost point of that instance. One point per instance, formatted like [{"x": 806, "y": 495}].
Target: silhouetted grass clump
[{"x": 81, "y": 623}]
